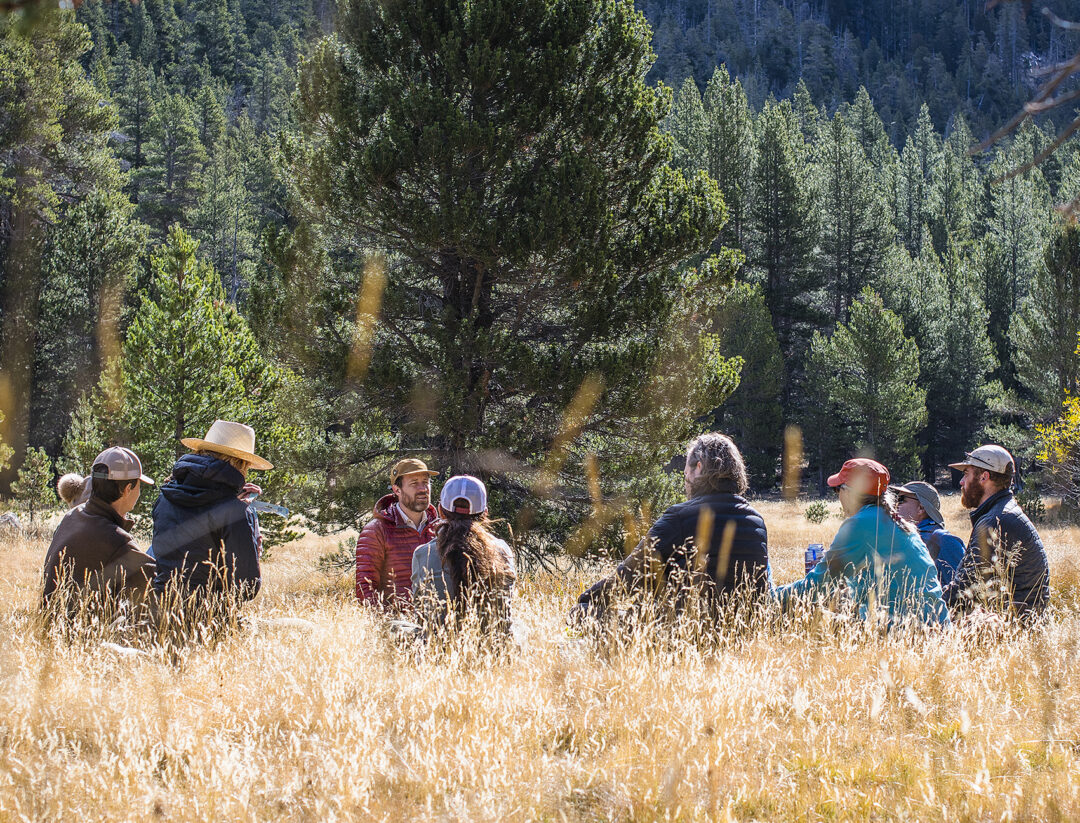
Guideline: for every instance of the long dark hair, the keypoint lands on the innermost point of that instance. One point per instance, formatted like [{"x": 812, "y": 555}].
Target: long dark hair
[{"x": 471, "y": 557}]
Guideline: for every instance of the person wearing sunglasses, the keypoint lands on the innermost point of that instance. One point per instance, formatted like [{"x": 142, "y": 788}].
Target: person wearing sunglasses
[
  {"x": 876, "y": 554},
  {"x": 919, "y": 503}
]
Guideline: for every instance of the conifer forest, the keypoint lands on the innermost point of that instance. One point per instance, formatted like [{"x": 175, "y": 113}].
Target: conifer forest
[{"x": 543, "y": 242}]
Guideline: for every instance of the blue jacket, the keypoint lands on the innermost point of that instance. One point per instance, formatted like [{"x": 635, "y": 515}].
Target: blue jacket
[
  {"x": 204, "y": 535},
  {"x": 1000, "y": 522},
  {"x": 879, "y": 561},
  {"x": 945, "y": 548}
]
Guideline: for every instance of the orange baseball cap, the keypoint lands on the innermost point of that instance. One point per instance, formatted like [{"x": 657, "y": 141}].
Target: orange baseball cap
[{"x": 871, "y": 477}]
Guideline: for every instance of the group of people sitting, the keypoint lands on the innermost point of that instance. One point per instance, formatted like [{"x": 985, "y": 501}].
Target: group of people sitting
[
  {"x": 206, "y": 541},
  {"x": 892, "y": 561}
]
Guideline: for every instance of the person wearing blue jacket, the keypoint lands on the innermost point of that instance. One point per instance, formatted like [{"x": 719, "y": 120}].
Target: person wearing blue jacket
[
  {"x": 919, "y": 503},
  {"x": 878, "y": 556},
  {"x": 206, "y": 538}
]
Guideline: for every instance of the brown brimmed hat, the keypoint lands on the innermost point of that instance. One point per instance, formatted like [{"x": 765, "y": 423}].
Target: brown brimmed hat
[
  {"x": 232, "y": 439},
  {"x": 410, "y": 465}
]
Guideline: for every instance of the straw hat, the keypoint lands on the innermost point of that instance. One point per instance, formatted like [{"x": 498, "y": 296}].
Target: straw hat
[{"x": 233, "y": 439}]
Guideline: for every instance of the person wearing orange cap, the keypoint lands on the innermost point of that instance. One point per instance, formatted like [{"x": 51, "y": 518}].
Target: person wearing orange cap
[{"x": 876, "y": 553}]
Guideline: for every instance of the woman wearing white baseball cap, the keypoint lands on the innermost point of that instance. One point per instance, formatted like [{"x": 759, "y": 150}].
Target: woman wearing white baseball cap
[{"x": 466, "y": 572}]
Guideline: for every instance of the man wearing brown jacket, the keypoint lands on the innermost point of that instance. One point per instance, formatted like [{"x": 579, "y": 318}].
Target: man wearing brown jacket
[
  {"x": 404, "y": 519},
  {"x": 92, "y": 547}
]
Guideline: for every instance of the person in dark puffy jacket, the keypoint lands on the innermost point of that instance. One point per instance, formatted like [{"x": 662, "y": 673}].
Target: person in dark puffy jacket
[
  {"x": 733, "y": 556},
  {"x": 205, "y": 536},
  {"x": 1005, "y": 565}
]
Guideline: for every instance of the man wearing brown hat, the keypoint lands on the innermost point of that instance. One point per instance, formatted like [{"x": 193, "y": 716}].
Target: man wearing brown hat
[
  {"x": 919, "y": 503},
  {"x": 1005, "y": 564},
  {"x": 92, "y": 547},
  {"x": 403, "y": 520}
]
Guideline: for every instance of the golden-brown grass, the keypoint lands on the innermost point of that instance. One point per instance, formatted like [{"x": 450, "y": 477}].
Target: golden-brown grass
[{"x": 338, "y": 722}]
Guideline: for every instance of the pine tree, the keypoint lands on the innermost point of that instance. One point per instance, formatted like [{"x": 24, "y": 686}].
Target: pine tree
[
  {"x": 34, "y": 488},
  {"x": 686, "y": 124},
  {"x": 84, "y": 440},
  {"x": 919, "y": 163},
  {"x": 174, "y": 159},
  {"x": 853, "y": 216},
  {"x": 508, "y": 157},
  {"x": 131, "y": 82},
  {"x": 1045, "y": 332},
  {"x": 864, "y": 381},
  {"x": 54, "y": 137},
  {"x": 752, "y": 415},
  {"x": 188, "y": 359},
  {"x": 1012, "y": 247},
  {"x": 784, "y": 228},
  {"x": 954, "y": 195},
  {"x": 729, "y": 151},
  {"x": 88, "y": 262}
]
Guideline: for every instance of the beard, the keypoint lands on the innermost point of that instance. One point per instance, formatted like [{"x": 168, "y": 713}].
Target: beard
[
  {"x": 970, "y": 496},
  {"x": 416, "y": 503}
]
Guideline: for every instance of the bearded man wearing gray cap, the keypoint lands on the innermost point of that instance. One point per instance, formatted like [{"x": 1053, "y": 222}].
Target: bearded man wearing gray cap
[
  {"x": 1005, "y": 561},
  {"x": 92, "y": 548},
  {"x": 919, "y": 503}
]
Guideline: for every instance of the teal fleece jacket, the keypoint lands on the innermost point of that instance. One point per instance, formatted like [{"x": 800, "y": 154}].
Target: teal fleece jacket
[{"x": 881, "y": 563}]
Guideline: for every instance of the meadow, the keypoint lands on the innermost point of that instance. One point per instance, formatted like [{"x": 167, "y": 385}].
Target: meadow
[{"x": 282, "y": 720}]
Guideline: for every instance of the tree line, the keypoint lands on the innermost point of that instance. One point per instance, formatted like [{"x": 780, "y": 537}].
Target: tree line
[
  {"x": 908, "y": 301},
  {"x": 365, "y": 246}
]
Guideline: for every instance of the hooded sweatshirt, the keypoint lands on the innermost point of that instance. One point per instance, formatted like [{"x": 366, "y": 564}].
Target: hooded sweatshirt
[{"x": 204, "y": 535}]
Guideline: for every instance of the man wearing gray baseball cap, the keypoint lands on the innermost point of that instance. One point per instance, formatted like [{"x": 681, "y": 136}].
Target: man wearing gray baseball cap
[
  {"x": 93, "y": 547},
  {"x": 1005, "y": 562}
]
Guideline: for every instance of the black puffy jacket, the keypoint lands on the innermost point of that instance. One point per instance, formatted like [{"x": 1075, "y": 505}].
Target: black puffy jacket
[
  {"x": 204, "y": 536},
  {"x": 1021, "y": 575},
  {"x": 673, "y": 535}
]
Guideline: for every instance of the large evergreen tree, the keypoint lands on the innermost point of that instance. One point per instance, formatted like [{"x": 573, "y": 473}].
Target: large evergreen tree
[
  {"x": 508, "y": 157},
  {"x": 1044, "y": 333},
  {"x": 188, "y": 359},
  {"x": 864, "y": 382}
]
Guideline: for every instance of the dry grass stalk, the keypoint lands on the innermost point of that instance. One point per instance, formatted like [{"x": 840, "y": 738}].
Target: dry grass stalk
[{"x": 809, "y": 720}]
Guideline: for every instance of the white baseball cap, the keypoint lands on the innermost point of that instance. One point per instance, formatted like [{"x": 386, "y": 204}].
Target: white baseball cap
[
  {"x": 990, "y": 458},
  {"x": 464, "y": 494},
  {"x": 120, "y": 464}
]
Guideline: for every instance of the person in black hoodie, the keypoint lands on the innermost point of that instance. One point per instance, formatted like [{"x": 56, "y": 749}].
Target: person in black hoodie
[
  {"x": 206, "y": 539},
  {"x": 734, "y": 555}
]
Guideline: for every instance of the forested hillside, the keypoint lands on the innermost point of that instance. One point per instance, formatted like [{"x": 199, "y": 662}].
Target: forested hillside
[
  {"x": 956, "y": 57},
  {"x": 191, "y": 228}
]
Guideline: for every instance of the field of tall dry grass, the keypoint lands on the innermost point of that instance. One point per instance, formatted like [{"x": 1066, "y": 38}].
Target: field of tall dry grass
[{"x": 334, "y": 721}]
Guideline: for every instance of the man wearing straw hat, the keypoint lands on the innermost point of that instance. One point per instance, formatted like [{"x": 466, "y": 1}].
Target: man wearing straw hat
[
  {"x": 205, "y": 536},
  {"x": 919, "y": 503}
]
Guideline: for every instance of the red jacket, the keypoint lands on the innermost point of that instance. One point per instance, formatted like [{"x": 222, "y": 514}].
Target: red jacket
[{"x": 384, "y": 553}]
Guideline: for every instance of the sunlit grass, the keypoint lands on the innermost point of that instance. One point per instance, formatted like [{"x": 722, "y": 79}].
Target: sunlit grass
[{"x": 337, "y": 721}]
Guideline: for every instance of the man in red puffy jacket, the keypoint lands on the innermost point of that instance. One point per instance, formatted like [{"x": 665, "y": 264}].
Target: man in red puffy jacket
[{"x": 403, "y": 520}]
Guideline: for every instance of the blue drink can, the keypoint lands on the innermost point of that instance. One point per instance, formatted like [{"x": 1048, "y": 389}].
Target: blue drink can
[{"x": 813, "y": 554}]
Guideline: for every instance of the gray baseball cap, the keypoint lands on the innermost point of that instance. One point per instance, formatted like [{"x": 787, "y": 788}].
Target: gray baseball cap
[
  {"x": 464, "y": 494},
  {"x": 926, "y": 495},
  {"x": 989, "y": 458},
  {"x": 120, "y": 464}
]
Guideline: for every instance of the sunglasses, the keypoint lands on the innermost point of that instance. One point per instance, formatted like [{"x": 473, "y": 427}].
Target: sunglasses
[{"x": 841, "y": 487}]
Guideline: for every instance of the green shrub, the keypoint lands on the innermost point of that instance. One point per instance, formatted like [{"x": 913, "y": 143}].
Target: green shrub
[{"x": 816, "y": 512}]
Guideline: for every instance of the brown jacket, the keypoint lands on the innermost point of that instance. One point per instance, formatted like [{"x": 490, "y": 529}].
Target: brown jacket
[{"x": 94, "y": 547}]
